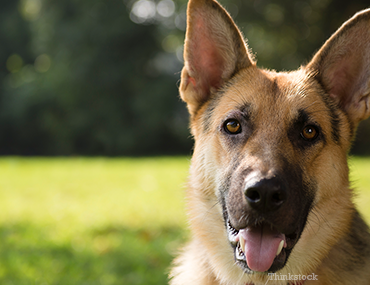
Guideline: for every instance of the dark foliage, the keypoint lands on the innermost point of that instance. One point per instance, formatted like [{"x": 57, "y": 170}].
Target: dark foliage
[{"x": 95, "y": 77}]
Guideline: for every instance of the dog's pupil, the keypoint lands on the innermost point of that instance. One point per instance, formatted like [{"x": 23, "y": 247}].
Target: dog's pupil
[{"x": 309, "y": 132}]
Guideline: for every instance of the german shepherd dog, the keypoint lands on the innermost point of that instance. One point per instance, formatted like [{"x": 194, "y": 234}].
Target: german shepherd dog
[{"x": 269, "y": 200}]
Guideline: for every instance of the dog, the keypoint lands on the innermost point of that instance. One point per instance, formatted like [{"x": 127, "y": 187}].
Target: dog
[{"x": 268, "y": 198}]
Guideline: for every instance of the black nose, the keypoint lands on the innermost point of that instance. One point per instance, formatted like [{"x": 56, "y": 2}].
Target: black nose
[{"x": 265, "y": 195}]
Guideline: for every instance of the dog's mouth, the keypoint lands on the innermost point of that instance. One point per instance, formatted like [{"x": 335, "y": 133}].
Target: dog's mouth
[{"x": 261, "y": 247}]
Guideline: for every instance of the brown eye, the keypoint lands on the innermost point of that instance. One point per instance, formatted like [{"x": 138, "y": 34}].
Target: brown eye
[
  {"x": 233, "y": 127},
  {"x": 310, "y": 133}
]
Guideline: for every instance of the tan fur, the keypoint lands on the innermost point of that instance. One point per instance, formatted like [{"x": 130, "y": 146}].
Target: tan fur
[{"x": 327, "y": 246}]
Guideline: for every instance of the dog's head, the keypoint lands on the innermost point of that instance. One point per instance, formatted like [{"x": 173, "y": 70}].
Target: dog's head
[{"x": 271, "y": 147}]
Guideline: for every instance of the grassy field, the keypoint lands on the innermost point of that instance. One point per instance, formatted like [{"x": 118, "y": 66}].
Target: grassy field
[{"x": 99, "y": 220}]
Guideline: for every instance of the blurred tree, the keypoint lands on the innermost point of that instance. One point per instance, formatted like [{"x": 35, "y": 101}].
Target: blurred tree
[
  {"x": 93, "y": 88},
  {"x": 94, "y": 77},
  {"x": 14, "y": 53}
]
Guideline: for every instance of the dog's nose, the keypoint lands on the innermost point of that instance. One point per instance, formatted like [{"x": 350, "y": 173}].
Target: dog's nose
[{"x": 265, "y": 195}]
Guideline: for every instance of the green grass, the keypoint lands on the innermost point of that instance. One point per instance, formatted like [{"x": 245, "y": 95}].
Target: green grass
[
  {"x": 99, "y": 220},
  {"x": 90, "y": 221},
  {"x": 360, "y": 178}
]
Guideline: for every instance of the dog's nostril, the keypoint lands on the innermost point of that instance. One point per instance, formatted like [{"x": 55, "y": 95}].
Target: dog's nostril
[
  {"x": 278, "y": 197},
  {"x": 253, "y": 196}
]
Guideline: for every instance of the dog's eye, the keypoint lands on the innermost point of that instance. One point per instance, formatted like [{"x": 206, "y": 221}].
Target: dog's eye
[
  {"x": 310, "y": 133},
  {"x": 232, "y": 126}
]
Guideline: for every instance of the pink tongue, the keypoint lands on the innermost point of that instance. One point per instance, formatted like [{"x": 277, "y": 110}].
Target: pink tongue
[{"x": 261, "y": 245}]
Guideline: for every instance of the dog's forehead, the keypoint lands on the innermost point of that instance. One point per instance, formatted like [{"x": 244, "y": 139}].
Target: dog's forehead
[{"x": 271, "y": 95}]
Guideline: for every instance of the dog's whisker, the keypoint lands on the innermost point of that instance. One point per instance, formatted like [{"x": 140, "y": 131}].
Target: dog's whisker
[{"x": 209, "y": 211}]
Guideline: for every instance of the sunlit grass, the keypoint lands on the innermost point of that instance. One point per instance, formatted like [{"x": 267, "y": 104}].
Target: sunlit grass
[
  {"x": 360, "y": 178},
  {"x": 93, "y": 192},
  {"x": 90, "y": 221},
  {"x": 100, "y": 220}
]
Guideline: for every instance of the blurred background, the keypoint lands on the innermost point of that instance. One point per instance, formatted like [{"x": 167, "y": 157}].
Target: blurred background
[{"x": 98, "y": 77}]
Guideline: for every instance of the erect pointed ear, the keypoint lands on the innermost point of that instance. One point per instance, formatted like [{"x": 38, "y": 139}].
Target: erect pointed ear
[
  {"x": 214, "y": 52},
  {"x": 343, "y": 67}
]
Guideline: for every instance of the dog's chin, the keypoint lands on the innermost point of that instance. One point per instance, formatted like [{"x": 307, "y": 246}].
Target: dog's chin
[{"x": 272, "y": 259}]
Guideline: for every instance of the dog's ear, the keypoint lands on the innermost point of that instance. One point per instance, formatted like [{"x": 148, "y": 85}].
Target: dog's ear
[
  {"x": 342, "y": 65},
  {"x": 214, "y": 51}
]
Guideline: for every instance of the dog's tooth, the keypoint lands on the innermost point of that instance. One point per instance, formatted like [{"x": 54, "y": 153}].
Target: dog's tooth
[
  {"x": 242, "y": 243},
  {"x": 281, "y": 244}
]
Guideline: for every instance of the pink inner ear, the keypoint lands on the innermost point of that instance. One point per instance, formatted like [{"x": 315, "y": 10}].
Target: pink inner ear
[
  {"x": 345, "y": 80},
  {"x": 204, "y": 57},
  {"x": 192, "y": 81},
  {"x": 340, "y": 81}
]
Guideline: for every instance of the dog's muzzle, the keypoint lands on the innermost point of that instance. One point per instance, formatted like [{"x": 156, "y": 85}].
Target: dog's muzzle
[{"x": 261, "y": 240}]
